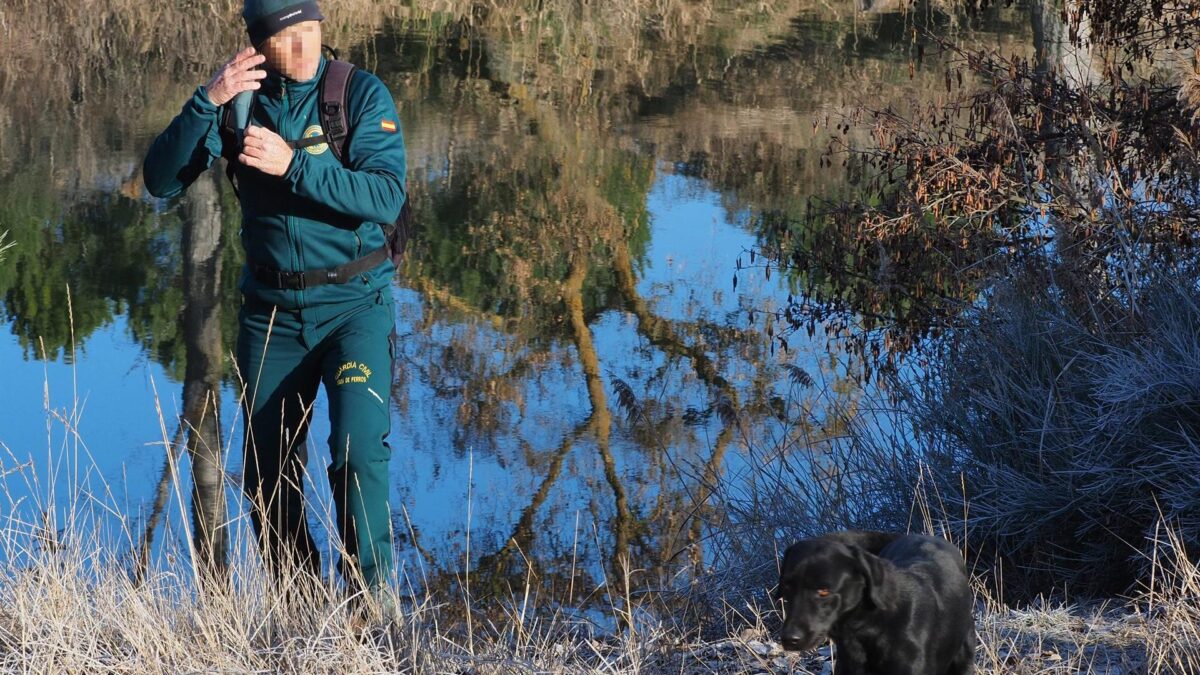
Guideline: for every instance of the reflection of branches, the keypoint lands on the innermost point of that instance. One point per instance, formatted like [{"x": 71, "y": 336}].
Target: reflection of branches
[
  {"x": 708, "y": 483},
  {"x": 588, "y": 359},
  {"x": 201, "y": 387},
  {"x": 482, "y": 371},
  {"x": 1054, "y": 162},
  {"x": 435, "y": 293},
  {"x": 521, "y": 538},
  {"x": 599, "y": 422},
  {"x": 142, "y": 562},
  {"x": 663, "y": 334}
]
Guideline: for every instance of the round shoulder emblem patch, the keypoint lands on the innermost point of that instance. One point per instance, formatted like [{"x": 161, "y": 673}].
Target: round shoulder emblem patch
[{"x": 315, "y": 130}]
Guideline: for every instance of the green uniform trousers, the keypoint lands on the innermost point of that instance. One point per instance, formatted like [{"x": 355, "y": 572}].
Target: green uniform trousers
[{"x": 283, "y": 356}]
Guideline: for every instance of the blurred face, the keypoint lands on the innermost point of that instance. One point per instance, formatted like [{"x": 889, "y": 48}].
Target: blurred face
[{"x": 295, "y": 51}]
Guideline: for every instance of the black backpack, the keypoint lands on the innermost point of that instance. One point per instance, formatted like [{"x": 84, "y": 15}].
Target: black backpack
[{"x": 334, "y": 87}]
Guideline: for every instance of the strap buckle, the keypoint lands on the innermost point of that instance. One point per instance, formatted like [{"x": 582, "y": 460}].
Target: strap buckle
[
  {"x": 290, "y": 280},
  {"x": 331, "y": 111}
]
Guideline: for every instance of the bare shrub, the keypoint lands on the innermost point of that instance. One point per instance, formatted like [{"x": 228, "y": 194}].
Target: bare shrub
[
  {"x": 833, "y": 463},
  {"x": 1048, "y": 440},
  {"x": 1063, "y": 436}
]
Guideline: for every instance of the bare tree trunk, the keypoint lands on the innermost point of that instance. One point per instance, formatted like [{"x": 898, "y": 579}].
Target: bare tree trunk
[
  {"x": 1062, "y": 41},
  {"x": 202, "y": 246},
  {"x": 1059, "y": 45}
]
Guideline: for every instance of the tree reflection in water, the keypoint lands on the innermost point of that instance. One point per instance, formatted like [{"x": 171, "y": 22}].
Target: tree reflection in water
[
  {"x": 199, "y": 427},
  {"x": 536, "y": 140}
]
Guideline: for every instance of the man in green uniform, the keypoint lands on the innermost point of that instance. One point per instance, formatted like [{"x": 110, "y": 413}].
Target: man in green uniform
[{"x": 317, "y": 305}]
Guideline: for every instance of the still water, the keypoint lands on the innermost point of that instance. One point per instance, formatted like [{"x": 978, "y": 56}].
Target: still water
[{"x": 571, "y": 335}]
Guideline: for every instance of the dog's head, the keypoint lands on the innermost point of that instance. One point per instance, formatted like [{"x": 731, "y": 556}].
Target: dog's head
[{"x": 821, "y": 581}]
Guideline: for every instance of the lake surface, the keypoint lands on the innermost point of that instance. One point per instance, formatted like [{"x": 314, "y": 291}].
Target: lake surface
[{"x": 571, "y": 336}]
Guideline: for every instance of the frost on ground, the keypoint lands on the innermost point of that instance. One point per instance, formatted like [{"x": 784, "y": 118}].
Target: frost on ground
[{"x": 1026, "y": 641}]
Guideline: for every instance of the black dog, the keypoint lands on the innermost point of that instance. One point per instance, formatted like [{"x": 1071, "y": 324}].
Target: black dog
[{"x": 893, "y": 604}]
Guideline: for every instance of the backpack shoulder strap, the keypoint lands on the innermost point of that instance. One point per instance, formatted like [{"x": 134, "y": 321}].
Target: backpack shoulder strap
[
  {"x": 225, "y": 123},
  {"x": 230, "y": 139},
  {"x": 335, "y": 119}
]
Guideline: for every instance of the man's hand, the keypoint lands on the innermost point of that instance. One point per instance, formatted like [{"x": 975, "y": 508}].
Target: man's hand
[
  {"x": 236, "y": 76},
  {"x": 266, "y": 151}
]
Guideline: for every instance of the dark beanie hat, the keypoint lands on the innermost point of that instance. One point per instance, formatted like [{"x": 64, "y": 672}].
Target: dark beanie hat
[{"x": 265, "y": 18}]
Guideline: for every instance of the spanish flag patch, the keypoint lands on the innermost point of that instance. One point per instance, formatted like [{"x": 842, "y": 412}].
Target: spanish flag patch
[{"x": 388, "y": 126}]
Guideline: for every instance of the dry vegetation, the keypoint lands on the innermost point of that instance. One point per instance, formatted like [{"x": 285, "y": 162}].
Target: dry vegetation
[
  {"x": 70, "y": 602},
  {"x": 76, "y": 610}
]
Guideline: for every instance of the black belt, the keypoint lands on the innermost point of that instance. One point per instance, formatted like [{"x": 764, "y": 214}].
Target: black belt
[{"x": 297, "y": 281}]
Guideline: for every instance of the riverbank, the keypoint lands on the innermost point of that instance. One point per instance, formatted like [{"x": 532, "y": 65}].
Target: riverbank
[
  {"x": 1104, "y": 638},
  {"x": 68, "y": 612}
]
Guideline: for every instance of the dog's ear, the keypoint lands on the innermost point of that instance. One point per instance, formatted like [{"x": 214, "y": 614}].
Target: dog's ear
[
  {"x": 784, "y": 567},
  {"x": 877, "y": 573},
  {"x": 788, "y": 559}
]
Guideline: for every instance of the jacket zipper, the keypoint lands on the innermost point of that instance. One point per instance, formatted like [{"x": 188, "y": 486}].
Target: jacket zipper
[{"x": 289, "y": 222}]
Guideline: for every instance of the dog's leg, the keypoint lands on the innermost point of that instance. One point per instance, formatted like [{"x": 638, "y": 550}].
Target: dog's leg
[
  {"x": 964, "y": 663},
  {"x": 849, "y": 659}
]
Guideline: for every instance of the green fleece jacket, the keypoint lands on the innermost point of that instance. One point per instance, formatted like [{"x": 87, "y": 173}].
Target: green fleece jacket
[{"x": 321, "y": 213}]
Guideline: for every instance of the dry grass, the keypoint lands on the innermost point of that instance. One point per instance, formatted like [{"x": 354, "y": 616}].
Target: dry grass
[
  {"x": 1066, "y": 435},
  {"x": 63, "y": 614},
  {"x": 1157, "y": 630},
  {"x": 70, "y": 603},
  {"x": 4, "y": 244},
  {"x": 1056, "y": 439}
]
